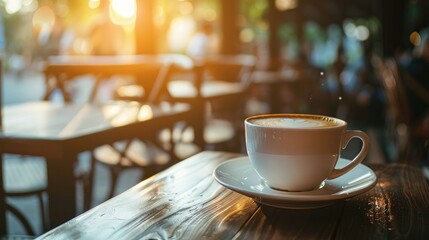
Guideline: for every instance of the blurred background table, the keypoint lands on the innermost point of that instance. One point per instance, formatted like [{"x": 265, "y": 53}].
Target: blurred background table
[
  {"x": 59, "y": 132},
  {"x": 185, "y": 202}
]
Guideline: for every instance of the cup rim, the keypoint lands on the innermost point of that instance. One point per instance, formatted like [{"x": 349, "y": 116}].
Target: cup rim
[{"x": 340, "y": 123}]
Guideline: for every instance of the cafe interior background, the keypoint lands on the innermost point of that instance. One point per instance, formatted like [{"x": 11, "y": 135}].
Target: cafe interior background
[{"x": 335, "y": 42}]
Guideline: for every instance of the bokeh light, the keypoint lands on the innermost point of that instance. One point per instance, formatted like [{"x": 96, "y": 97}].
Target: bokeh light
[
  {"x": 415, "y": 38},
  {"x": 124, "y": 8},
  {"x": 185, "y": 7},
  {"x": 181, "y": 30},
  {"x": 210, "y": 15},
  {"x": 81, "y": 46},
  {"x": 362, "y": 33},
  {"x": 123, "y": 12},
  {"x": 13, "y": 6},
  {"x": 145, "y": 113},
  {"x": 43, "y": 17},
  {"x": 93, "y": 4},
  {"x": 247, "y": 35},
  {"x": 159, "y": 16},
  {"x": 349, "y": 29},
  {"x": 283, "y": 5}
]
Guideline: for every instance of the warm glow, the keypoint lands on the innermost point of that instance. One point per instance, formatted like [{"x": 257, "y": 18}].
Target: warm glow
[
  {"x": 210, "y": 15},
  {"x": 181, "y": 29},
  {"x": 93, "y": 4},
  {"x": 145, "y": 113},
  {"x": 110, "y": 111},
  {"x": 185, "y": 8},
  {"x": 159, "y": 16},
  {"x": 247, "y": 35},
  {"x": 121, "y": 114},
  {"x": 283, "y": 5},
  {"x": 82, "y": 46},
  {"x": 62, "y": 9},
  {"x": 128, "y": 115},
  {"x": 124, "y": 8},
  {"x": 22, "y": 6},
  {"x": 43, "y": 17},
  {"x": 123, "y": 12},
  {"x": 206, "y": 13},
  {"x": 131, "y": 91},
  {"x": 415, "y": 38},
  {"x": 379, "y": 212},
  {"x": 13, "y": 6}
]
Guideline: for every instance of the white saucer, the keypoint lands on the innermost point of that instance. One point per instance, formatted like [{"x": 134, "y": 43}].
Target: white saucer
[{"x": 238, "y": 175}]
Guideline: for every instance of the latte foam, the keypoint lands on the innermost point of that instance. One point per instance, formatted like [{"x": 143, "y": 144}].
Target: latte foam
[{"x": 284, "y": 122}]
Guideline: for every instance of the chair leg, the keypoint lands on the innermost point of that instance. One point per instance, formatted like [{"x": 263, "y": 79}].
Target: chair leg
[
  {"x": 114, "y": 172},
  {"x": 88, "y": 184},
  {"x": 42, "y": 212},
  {"x": 21, "y": 218}
]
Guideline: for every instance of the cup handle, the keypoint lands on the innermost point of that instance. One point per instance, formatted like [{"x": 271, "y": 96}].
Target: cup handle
[{"x": 349, "y": 134}]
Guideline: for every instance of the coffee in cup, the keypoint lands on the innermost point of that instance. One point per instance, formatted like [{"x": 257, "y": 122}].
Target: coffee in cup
[{"x": 297, "y": 152}]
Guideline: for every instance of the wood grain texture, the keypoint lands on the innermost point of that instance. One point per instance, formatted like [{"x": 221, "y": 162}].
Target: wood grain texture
[
  {"x": 397, "y": 207},
  {"x": 273, "y": 223},
  {"x": 185, "y": 202}
]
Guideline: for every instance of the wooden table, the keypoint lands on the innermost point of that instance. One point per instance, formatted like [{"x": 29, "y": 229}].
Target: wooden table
[
  {"x": 59, "y": 132},
  {"x": 185, "y": 202}
]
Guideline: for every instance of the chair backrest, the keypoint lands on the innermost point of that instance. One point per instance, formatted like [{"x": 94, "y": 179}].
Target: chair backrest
[
  {"x": 398, "y": 112},
  {"x": 146, "y": 69},
  {"x": 230, "y": 68},
  {"x": 157, "y": 70},
  {"x": 397, "y": 95}
]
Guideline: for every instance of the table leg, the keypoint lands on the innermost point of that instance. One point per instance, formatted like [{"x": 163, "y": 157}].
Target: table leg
[
  {"x": 199, "y": 122},
  {"x": 61, "y": 80},
  {"x": 88, "y": 184},
  {"x": 59, "y": 83},
  {"x": 95, "y": 88},
  {"x": 3, "y": 226},
  {"x": 61, "y": 189},
  {"x": 48, "y": 88}
]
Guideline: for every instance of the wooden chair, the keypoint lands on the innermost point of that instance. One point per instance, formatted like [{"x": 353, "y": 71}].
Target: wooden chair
[
  {"x": 216, "y": 87},
  {"x": 21, "y": 177},
  {"x": 153, "y": 151},
  {"x": 59, "y": 70},
  {"x": 25, "y": 177},
  {"x": 220, "y": 96},
  {"x": 407, "y": 138}
]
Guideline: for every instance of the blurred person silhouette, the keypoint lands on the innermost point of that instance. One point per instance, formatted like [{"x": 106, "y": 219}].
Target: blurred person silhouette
[
  {"x": 48, "y": 36},
  {"x": 107, "y": 38},
  {"x": 418, "y": 89},
  {"x": 311, "y": 98},
  {"x": 202, "y": 43},
  {"x": 332, "y": 85},
  {"x": 363, "y": 94}
]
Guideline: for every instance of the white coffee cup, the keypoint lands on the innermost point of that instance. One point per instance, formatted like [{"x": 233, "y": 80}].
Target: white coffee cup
[{"x": 297, "y": 152}]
